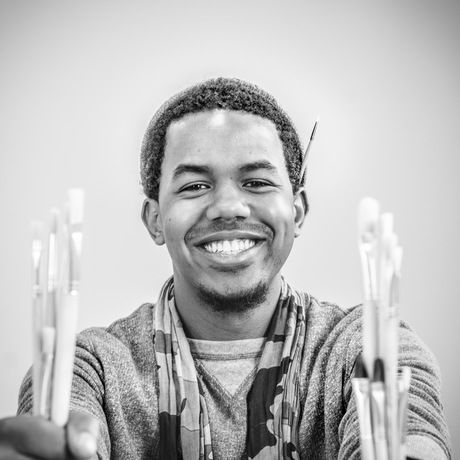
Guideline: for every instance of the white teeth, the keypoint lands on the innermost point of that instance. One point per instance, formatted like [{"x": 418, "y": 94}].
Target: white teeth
[{"x": 229, "y": 246}]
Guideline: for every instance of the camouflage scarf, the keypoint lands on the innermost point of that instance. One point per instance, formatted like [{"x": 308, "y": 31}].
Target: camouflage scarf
[{"x": 273, "y": 401}]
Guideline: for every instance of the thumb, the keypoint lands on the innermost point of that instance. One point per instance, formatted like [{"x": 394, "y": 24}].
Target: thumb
[{"x": 82, "y": 434}]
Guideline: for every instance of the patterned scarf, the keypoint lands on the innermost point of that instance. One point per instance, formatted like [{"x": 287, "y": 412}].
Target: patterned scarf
[{"x": 273, "y": 401}]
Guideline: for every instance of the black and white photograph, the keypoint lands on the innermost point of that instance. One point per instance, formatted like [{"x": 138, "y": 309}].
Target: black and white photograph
[{"x": 230, "y": 229}]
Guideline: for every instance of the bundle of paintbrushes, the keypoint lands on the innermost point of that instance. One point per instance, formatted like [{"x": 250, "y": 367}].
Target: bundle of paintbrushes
[
  {"x": 55, "y": 297},
  {"x": 380, "y": 391}
]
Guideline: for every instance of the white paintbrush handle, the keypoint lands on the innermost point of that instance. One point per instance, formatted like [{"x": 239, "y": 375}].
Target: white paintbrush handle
[
  {"x": 361, "y": 393},
  {"x": 367, "y": 448},
  {"x": 66, "y": 326},
  {"x": 392, "y": 383},
  {"x": 37, "y": 363},
  {"x": 369, "y": 334}
]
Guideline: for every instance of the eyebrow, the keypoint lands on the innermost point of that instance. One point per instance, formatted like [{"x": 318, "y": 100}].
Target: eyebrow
[
  {"x": 185, "y": 168},
  {"x": 190, "y": 168},
  {"x": 263, "y": 164}
]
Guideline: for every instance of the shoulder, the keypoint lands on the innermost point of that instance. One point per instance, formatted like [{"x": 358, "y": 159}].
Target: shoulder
[
  {"x": 332, "y": 333},
  {"x": 328, "y": 322},
  {"x": 126, "y": 335},
  {"x": 337, "y": 332},
  {"x": 320, "y": 313}
]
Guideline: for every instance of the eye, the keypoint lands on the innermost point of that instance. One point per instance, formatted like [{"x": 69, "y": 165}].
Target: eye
[
  {"x": 257, "y": 184},
  {"x": 196, "y": 187}
]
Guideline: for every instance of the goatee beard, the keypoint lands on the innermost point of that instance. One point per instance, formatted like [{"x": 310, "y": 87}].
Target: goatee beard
[{"x": 238, "y": 302}]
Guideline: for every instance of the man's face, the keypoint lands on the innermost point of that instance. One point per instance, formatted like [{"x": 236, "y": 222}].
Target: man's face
[{"x": 226, "y": 209}]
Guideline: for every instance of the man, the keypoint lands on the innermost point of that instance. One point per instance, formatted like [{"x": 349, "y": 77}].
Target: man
[{"x": 231, "y": 362}]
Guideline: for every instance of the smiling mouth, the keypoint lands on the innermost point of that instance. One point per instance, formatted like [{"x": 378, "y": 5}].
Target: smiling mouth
[{"x": 229, "y": 247}]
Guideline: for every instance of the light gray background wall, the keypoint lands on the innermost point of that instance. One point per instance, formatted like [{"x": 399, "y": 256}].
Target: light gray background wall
[{"x": 80, "y": 80}]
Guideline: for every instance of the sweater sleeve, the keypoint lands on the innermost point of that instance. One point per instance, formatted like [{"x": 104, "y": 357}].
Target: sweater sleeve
[
  {"x": 427, "y": 432},
  {"x": 87, "y": 391}
]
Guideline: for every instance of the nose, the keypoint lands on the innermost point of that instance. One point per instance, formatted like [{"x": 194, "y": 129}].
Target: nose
[{"x": 228, "y": 202}]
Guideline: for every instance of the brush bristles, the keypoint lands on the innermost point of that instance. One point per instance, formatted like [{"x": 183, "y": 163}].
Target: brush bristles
[
  {"x": 312, "y": 136},
  {"x": 37, "y": 247},
  {"x": 388, "y": 246},
  {"x": 386, "y": 223},
  {"x": 379, "y": 371},
  {"x": 37, "y": 234},
  {"x": 368, "y": 215},
  {"x": 54, "y": 220},
  {"x": 397, "y": 259},
  {"x": 360, "y": 368},
  {"x": 76, "y": 205}
]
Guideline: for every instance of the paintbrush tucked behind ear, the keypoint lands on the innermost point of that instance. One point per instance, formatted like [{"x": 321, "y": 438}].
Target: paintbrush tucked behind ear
[{"x": 305, "y": 155}]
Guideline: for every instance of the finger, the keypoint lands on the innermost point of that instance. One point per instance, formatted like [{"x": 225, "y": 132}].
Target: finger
[
  {"x": 33, "y": 437},
  {"x": 7, "y": 453},
  {"x": 82, "y": 434}
]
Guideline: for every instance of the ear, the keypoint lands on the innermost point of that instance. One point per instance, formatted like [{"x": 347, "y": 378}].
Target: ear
[
  {"x": 152, "y": 220},
  {"x": 300, "y": 210}
]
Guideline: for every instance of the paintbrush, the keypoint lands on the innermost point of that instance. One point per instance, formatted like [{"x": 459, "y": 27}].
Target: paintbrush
[
  {"x": 47, "y": 343},
  {"x": 52, "y": 268},
  {"x": 403, "y": 398},
  {"x": 378, "y": 410},
  {"x": 381, "y": 258},
  {"x": 66, "y": 313},
  {"x": 391, "y": 352},
  {"x": 368, "y": 214},
  {"x": 37, "y": 312},
  {"x": 305, "y": 155},
  {"x": 361, "y": 391}
]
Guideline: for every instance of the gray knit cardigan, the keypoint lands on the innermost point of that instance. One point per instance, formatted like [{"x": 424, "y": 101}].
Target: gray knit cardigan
[{"x": 115, "y": 380}]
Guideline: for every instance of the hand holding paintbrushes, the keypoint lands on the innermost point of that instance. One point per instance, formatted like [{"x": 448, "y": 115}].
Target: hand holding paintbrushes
[
  {"x": 55, "y": 296},
  {"x": 381, "y": 399},
  {"x": 53, "y": 432}
]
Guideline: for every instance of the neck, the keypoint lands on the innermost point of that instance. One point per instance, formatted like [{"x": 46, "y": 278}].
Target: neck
[{"x": 203, "y": 321}]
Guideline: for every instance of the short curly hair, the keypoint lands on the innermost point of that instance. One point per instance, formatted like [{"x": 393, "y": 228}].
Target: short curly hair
[{"x": 218, "y": 93}]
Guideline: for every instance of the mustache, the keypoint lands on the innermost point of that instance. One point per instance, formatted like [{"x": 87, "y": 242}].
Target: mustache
[{"x": 199, "y": 231}]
